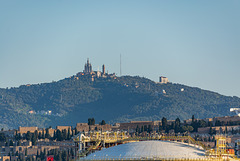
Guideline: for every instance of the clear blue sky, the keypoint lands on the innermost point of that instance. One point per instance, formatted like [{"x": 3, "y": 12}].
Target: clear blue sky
[{"x": 196, "y": 43}]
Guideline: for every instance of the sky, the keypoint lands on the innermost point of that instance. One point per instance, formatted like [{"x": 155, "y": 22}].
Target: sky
[{"x": 195, "y": 43}]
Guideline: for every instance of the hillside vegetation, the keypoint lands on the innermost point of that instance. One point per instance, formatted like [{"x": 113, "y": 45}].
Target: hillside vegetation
[{"x": 122, "y": 99}]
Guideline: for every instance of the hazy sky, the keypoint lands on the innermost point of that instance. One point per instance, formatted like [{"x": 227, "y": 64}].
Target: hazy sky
[{"x": 196, "y": 43}]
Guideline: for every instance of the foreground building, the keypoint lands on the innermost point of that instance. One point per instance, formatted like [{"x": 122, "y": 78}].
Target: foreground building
[{"x": 149, "y": 150}]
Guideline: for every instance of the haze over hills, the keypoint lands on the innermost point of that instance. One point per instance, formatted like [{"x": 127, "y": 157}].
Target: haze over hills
[{"x": 107, "y": 97}]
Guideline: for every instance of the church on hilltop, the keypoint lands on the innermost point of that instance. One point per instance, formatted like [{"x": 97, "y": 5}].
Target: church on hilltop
[
  {"x": 88, "y": 67},
  {"x": 88, "y": 71}
]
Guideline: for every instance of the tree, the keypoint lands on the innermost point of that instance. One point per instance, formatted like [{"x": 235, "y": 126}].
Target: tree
[
  {"x": 30, "y": 158},
  {"x": 145, "y": 128},
  {"x": 76, "y": 132},
  {"x": 190, "y": 128},
  {"x": 16, "y": 135},
  {"x": 28, "y": 136},
  {"x": 58, "y": 156},
  {"x": 220, "y": 130},
  {"x": 36, "y": 134},
  {"x": 160, "y": 128},
  {"x": 187, "y": 128},
  {"x": 195, "y": 125},
  {"x": 39, "y": 135},
  {"x": 209, "y": 124},
  {"x": 72, "y": 132},
  {"x": 91, "y": 121},
  {"x": 2, "y": 137},
  {"x": 47, "y": 135},
  {"x": 149, "y": 129},
  {"x": 37, "y": 154},
  {"x": 54, "y": 135},
  {"x": 34, "y": 138},
  {"x": 218, "y": 123},
  {"x": 172, "y": 126},
  {"x": 68, "y": 134},
  {"x": 214, "y": 132},
  {"x": 164, "y": 123},
  {"x": 19, "y": 136},
  {"x": 10, "y": 143},
  {"x": 177, "y": 126},
  {"x": 202, "y": 123},
  {"x": 137, "y": 129},
  {"x": 59, "y": 136},
  {"x": 64, "y": 155},
  {"x": 211, "y": 131},
  {"x": 102, "y": 122},
  {"x": 26, "y": 152},
  {"x": 43, "y": 135},
  {"x": 72, "y": 153},
  {"x": 44, "y": 154},
  {"x": 64, "y": 134}
]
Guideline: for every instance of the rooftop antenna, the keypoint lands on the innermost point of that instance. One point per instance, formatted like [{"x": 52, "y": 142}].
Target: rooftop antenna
[{"x": 120, "y": 65}]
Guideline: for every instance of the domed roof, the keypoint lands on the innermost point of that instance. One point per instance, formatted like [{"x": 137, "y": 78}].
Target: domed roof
[{"x": 149, "y": 149}]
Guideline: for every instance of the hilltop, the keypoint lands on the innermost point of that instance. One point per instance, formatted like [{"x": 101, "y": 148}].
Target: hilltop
[{"x": 114, "y": 99}]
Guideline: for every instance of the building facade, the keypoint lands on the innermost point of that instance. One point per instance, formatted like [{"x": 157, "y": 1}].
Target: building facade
[{"x": 163, "y": 79}]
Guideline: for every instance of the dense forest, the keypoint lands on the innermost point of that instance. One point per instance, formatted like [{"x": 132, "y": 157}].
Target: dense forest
[{"x": 118, "y": 99}]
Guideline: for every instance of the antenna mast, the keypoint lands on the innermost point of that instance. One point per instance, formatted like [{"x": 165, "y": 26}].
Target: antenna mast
[{"x": 120, "y": 64}]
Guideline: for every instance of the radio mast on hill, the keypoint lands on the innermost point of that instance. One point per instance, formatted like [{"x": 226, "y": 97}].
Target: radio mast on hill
[{"x": 120, "y": 64}]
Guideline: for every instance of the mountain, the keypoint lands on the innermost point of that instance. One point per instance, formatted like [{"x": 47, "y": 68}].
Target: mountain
[{"x": 113, "y": 99}]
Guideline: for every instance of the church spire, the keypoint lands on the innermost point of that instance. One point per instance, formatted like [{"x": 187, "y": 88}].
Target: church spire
[{"x": 88, "y": 67}]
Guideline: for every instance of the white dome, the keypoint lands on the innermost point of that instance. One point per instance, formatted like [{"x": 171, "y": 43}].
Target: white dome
[{"x": 148, "y": 149}]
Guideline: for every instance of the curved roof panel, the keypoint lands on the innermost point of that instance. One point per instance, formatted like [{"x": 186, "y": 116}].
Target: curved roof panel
[{"x": 149, "y": 149}]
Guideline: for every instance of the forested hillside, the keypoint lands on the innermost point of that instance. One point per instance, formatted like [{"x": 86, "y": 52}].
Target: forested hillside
[{"x": 117, "y": 99}]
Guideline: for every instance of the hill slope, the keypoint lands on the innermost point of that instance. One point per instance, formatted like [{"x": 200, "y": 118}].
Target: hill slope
[{"x": 125, "y": 98}]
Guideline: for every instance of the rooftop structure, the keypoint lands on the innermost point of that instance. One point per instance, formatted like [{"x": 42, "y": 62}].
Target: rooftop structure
[
  {"x": 23, "y": 130},
  {"x": 163, "y": 79}
]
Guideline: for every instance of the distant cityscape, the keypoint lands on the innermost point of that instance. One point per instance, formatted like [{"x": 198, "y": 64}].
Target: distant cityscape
[
  {"x": 72, "y": 143},
  {"x": 37, "y": 143}
]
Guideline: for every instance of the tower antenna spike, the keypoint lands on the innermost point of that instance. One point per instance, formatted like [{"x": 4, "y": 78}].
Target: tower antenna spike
[{"x": 120, "y": 64}]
